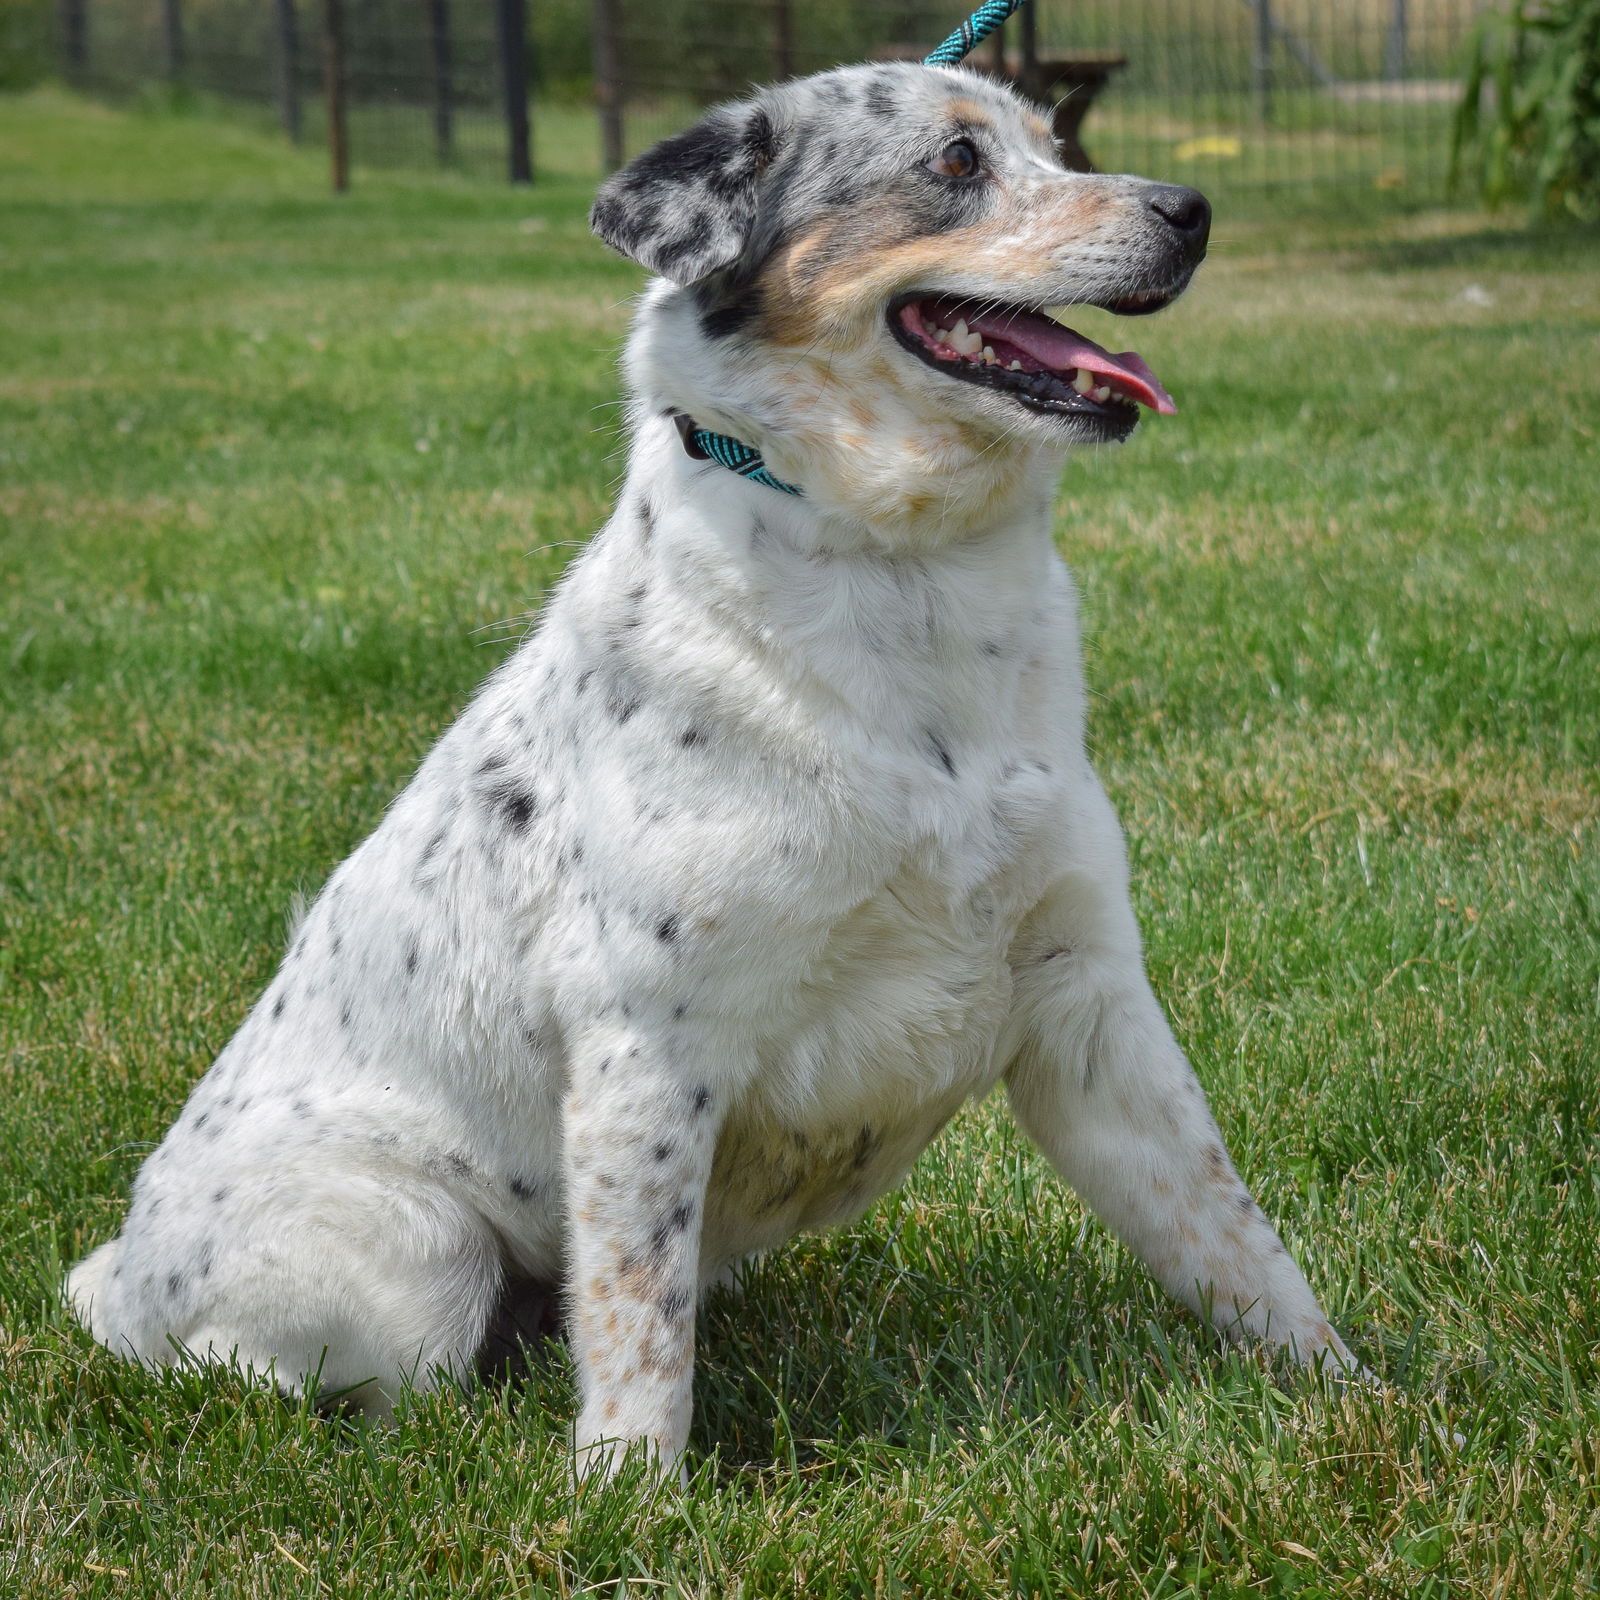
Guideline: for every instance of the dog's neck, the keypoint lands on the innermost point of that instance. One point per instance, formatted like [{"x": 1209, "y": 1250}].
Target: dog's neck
[{"x": 878, "y": 471}]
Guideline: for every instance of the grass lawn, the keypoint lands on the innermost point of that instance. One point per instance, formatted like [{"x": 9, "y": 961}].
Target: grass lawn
[{"x": 279, "y": 474}]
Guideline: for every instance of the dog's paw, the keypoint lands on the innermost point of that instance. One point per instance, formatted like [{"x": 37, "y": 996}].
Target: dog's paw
[{"x": 598, "y": 1461}]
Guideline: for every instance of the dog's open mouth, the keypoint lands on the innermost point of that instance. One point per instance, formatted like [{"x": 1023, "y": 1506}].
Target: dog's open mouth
[{"x": 1048, "y": 367}]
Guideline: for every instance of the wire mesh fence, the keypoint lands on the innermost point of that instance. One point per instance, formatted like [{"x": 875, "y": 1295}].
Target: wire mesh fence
[
  {"x": 1222, "y": 93},
  {"x": 1219, "y": 92}
]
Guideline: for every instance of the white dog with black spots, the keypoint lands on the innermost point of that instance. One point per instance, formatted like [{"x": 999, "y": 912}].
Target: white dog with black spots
[{"x": 773, "y": 845}]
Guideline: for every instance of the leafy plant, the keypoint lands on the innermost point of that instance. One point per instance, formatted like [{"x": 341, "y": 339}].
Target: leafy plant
[{"x": 1538, "y": 137}]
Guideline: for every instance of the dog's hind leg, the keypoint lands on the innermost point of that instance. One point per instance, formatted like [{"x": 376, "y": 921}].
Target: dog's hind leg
[
  {"x": 354, "y": 1288},
  {"x": 1100, "y": 1084}
]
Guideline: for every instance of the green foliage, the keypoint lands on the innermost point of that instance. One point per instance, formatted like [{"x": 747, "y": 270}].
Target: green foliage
[
  {"x": 25, "y": 45},
  {"x": 1540, "y": 140}
]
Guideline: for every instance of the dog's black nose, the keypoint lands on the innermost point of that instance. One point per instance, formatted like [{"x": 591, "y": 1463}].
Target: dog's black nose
[{"x": 1186, "y": 211}]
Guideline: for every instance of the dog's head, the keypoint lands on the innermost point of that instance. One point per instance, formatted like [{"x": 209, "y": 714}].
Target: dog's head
[{"x": 857, "y": 267}]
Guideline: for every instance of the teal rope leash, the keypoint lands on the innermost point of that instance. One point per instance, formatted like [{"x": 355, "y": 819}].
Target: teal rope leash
[
  {"x": 704, "y": 445},
  {"x": 973, "y": 32}
]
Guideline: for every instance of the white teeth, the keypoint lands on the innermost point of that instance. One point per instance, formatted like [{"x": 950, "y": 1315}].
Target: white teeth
[
  {"x": 944, "y": 336},
  {"x": 1016, "y": 366},
  {"x": 989, "y": 355},
  {"x": 1082, "y": 381},
  {"x": 1101, "y": 392},
  {"x": 960, "y": 334}
]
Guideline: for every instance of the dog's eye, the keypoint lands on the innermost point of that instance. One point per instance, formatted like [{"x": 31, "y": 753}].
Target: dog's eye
[{"x": 957, "y": 160}]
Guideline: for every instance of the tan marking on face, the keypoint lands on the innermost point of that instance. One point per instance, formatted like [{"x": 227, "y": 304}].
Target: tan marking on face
[
  {"x": 820, "y": 289},
  {"x": 969, "y": 111}
]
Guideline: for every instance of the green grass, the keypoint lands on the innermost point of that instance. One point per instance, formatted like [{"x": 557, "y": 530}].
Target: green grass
[{"x": 276, "y": 473}]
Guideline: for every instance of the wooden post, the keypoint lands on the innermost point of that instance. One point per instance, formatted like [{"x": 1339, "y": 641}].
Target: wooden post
[
  {"x": 608, "y": 88},
  {"x": 782, "y": 39},
  {"x": 1261, "y": 60},
  {"x": 74, "y": 24},
  {"x": 172, "y": 40},
  {"x": 511, "y": 29},
  {"x": 441, "y": 57},
  {"x": 333, "y": 91},
  {"x": 288, "y": 64}
]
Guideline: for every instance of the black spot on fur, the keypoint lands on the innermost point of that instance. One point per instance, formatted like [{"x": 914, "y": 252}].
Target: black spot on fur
[
  {"x": 201, "y": 1120},
  {"x": 881, "y": 100},
  {"x": 219, "y": 1195},
  {"x": 646, "y": 518},
  {"x": 174, "y": 1284},
  {"x": 413, "y": 958},
  {"x": 583, "y": 680},
  {"x": 521, "y": 1188},
  {"x": 673, "y": 1303},
  {"x": 680, "y": 1011},
  {"x": 301, "y": 1108},
  {"x": 621, "y": 707},
  {"x": 700, "y": 1099},
  {"x": 723, "y": 320},
  {"x": 518, "y": 807},
  {"x": 667, "y": 929},
  {"x": 492, "y": 763},
  {"x": 662, "y": 1152},
  {"x": 432, "y": 848},
  {"x": 344, "y": 1017},
  {"x": 941, "y": 754},
  {"x": 691, "y": 737},
  {"x": 278, "y": 1005},
  {"x": 675, "y": 1221}
]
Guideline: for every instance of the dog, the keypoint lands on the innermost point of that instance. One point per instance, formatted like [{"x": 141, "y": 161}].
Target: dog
[{"x": 774, "y": 844}]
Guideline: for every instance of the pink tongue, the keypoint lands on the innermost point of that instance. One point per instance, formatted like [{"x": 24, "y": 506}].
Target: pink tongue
[{"x": 1052, "y": 345}]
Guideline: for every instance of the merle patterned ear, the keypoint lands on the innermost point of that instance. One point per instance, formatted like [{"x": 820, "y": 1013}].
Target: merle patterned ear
[{"x": 686, "y": 208}]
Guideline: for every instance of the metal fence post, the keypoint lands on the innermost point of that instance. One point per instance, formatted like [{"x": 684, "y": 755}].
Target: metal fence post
[
  {"x": 441, "y": 60},
  {"x": 288, "y": 65},
  {"x": 1394, "y": 47},
  {"x": 608, "y": 90},
  {"x": 172, "y": 39},
  {"x": 333, "y": 91},
  {"x": 74, "y": 24},
  {"x": 1261, "y": 60},
  {"x": 511, "y": 28}
]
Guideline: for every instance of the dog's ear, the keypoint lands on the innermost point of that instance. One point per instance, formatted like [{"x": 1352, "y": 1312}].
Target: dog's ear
[{"x": 687, "y": 207}]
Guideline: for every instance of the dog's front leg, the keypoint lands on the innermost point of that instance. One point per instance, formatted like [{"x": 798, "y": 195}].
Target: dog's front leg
[
  {"x": 1101, "y": 1085},
  {"x": 639, "y": 1141}
]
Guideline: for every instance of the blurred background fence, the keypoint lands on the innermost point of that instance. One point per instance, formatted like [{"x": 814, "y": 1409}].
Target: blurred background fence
[{"x": 1218, "y": 92}]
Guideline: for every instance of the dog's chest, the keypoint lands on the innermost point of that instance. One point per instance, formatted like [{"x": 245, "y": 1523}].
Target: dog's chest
[{"x": 894, "y": 1026}]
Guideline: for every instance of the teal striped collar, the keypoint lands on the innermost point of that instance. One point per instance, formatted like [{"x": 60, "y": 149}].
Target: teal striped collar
[{"x": 734, "y": 454}]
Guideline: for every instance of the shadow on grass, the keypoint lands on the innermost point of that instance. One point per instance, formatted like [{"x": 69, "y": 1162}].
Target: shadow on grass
[{"x": 1537, "y": 248}]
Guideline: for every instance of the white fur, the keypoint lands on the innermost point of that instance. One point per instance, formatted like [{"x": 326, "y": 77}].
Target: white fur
[{"x": 776, "y": 843}]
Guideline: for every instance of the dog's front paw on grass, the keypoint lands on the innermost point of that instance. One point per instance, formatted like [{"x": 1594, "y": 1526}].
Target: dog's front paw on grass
[{"x": 647, "y": 1460}]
